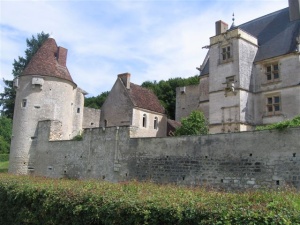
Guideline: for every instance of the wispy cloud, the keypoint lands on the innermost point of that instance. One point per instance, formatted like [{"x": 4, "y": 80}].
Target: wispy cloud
[{"x": 152, "y": 40}]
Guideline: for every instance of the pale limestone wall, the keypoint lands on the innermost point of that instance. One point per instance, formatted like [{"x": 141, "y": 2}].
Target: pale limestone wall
[
  {"x": 117, "y": 108},
  {"x": 51, "y": 99},
  {"x": 91, "y": 117},
  {"x": 194, "y": 97},
  {"x": 231, "y": 161},
  {"x": 137, "y": 123}
]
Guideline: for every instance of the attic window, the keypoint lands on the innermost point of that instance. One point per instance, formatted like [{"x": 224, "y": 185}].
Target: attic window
[
  {"x": 155, "y": 123},
  {"x": 144, "y": 120}
]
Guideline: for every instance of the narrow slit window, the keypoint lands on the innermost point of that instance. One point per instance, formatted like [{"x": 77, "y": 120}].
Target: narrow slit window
[
  {"x": 144, "y": 120},
  {"x": 78, "y": 110},
  {"x": 24, "y": 103},
  {"x": 105, "y": 123},
  {"x": 155, "y": 123}
]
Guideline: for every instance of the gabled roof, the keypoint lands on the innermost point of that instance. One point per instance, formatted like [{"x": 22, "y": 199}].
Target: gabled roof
[
  {"x": 275, "y": 33},
  {"x": 45, "y": 62},
  {"x": 144, "y": 98}
]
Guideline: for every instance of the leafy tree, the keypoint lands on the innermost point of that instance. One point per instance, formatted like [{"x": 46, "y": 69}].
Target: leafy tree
[
  {"x": 7, "y": 98},
  {"x": 5, "y": 134},
  {"x": 96, "y": 102},
  {"x": 194, "y": 124},
  {"x": 166, "y": 91}
]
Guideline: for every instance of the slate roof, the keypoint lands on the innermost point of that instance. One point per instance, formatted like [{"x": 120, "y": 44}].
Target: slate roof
[
  {"x": 275, "y": 32},
  {"x": 45, "y": 62},
  {"x": 144, "y": 98}
]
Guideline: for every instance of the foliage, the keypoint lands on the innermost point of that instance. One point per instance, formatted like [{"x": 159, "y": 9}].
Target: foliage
[
  {"x": 36, "y": 200},
  {"x": 194, "y": 124},
  {"x": 7, "y": 98},
  {"x": 78, "y": 137},
  {"x": 295, "y": 122},
  {"x": 5, "y": 134},
  {"x": 96, "y": 102},
  {"x": 166, "y": 91},
  {"x": 4, "y": 162}
]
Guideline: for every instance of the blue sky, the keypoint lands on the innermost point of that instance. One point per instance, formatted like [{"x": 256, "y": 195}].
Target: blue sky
[{"x": 151, "y": 39}]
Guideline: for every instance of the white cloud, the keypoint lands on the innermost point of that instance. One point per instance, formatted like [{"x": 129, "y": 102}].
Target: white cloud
[{"x": 152, "y": 40}]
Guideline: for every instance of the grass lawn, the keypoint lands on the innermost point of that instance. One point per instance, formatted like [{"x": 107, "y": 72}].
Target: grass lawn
[{"x": 4, "y": 163}]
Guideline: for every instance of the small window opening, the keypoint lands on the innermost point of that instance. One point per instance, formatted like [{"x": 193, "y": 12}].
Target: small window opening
[
  {"x": 250, "y": 154},
  {"x": 277, "y": 182},
  {"x": 144, "y": 120},
  {"x": 78, "y": 110},
  {"x": 105, "y": 123},
  {"x": 155, "y": 123},
  {"x": 294, "y": 154},
  {"x": 92, "y": 123},
  {"x": 183, "y": 177},
  {"x": 221, "y": 180},
  {"x": 24, "y": 103},
  {"x": 103, "y": 177}
]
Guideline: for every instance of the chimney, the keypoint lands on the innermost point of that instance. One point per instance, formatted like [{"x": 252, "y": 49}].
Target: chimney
[
  {"x": 62, "y": 56},
  {"x": 221, "y": 27},
  {"x": 294, "y": 8},
  {"x": 125, "y": 77}
]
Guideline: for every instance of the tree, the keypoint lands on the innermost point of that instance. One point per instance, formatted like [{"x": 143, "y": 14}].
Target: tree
[
  {"x": 5, "y": 134},
  {"x": 7, "y": 98},
  {"x": 96, "y": 102},
  {"x": 166, "y": 91},
  {"x": 194, "y": 124}
]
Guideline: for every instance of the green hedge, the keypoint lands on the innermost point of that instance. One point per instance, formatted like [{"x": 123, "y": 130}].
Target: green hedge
[
  {"x": 34, "y": 200},
  {"x": 4, "y": 157}
]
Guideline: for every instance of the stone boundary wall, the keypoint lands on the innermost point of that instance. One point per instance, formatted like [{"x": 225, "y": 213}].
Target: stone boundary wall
[{"x": 231, "y": 161}]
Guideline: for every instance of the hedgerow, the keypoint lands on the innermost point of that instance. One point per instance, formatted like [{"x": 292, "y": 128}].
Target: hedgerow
[
  {"x": 295, "y": 122},
  {"x": 36, "y": 200}
]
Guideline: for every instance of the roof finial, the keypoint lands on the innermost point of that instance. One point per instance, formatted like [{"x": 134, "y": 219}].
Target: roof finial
[{"x": 232, "y": 25}]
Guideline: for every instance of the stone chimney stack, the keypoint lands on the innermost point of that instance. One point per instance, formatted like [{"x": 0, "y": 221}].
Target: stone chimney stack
[
  {"x": 125, "y": 77},
  {"x": 62, "y": 56},
  {"x": 294, "y": 8},
  {"x": 221, "y": 27}
]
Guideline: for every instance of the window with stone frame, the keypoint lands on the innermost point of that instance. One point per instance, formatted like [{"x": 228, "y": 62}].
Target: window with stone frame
[
  {"x": 272, "y": 72},
  {"x": 144, "y": 120},
  {"x": 155, "y": 123},
  {"x": 226, "y": 54},
  {"x": 273, "y": 104}
]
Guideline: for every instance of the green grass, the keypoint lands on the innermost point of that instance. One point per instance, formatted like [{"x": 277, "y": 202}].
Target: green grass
[{"x": 4, "y": 163}]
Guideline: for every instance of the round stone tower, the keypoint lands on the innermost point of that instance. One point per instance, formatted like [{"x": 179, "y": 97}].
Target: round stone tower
[{"x": 44, "y": 91}]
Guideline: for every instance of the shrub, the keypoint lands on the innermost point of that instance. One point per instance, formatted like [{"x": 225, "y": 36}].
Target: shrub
[{"x": 295, "y": 122}]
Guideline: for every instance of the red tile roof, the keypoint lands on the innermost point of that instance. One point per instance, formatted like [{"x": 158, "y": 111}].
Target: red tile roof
[
  {"x": 144, "y": 98},
  {"x": 49, "y": 60}
]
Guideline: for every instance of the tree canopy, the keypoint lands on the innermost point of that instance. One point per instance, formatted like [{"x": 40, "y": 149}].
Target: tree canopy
[
  {"x": 7, "y": 98},
  {"x": 194, "y": 124},
  {"x": 5, "y": 134},
  {"x": 96, "y": 102}
]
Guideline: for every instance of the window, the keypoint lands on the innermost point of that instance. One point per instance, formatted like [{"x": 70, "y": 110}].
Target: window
[
  {"x": 272, "y": 72},
  {"x": 24, "y": 103},
  {"x": 78, "y": 110},
  {"x": 155, "y": 123},
  {"x": 105, "y": 123},
  {"x": 273, "y": 104},
  {"x": 144, "y": 120},
  {"x": 226, "y": 53}
]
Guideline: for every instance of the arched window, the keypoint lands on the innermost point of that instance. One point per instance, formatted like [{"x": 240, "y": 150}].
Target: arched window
[
  {"x": 144, "y": 120},
  {"x": 155, "y": 123}
]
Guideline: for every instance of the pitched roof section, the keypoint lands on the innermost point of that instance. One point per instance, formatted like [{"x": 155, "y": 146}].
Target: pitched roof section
[
  {"x": 49, "y": 60},
  {"x": 275, "y": 33},
  {"x": 144, "y": 98}
]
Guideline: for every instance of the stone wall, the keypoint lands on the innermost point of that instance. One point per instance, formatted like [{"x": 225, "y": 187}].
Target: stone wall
[{"x": 231, "y": 161}]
